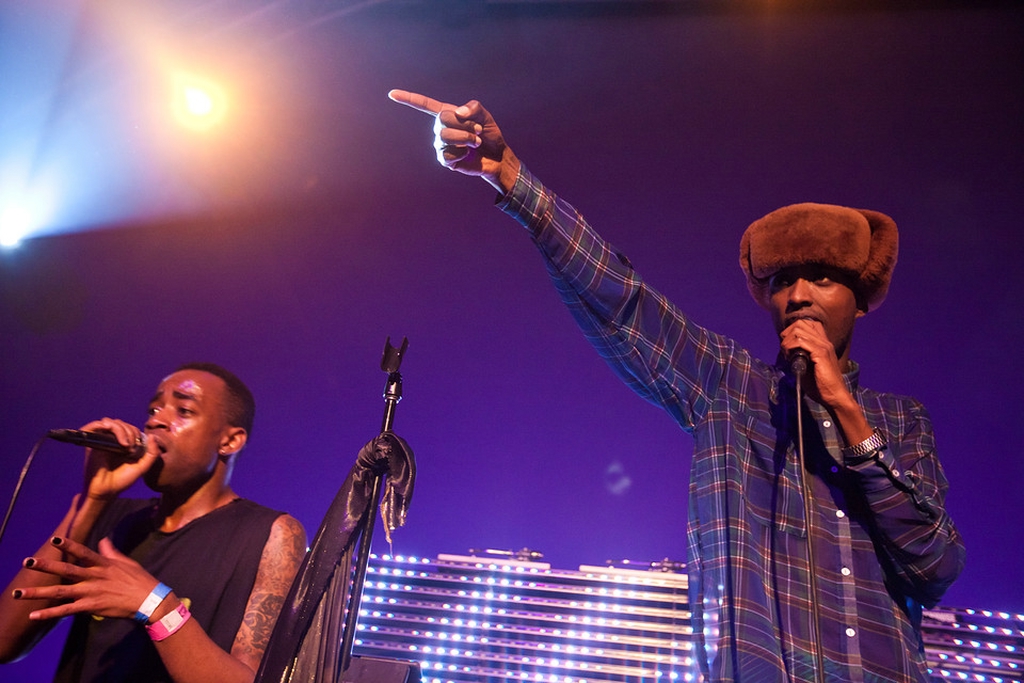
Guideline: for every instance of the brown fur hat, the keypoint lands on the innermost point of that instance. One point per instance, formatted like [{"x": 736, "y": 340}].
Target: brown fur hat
[{"x": 856, "y": 241}]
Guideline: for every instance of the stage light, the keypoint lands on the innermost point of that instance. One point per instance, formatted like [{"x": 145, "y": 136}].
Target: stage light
[
  {"x": 24, "y": 214},
  {"x": 15, "y": 223},
  {"x": 198, "y": 101},
  {"x": 199, "y": 104}
]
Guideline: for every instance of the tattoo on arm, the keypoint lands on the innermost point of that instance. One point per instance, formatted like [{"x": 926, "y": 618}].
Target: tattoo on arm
[{"x": 279, "y": 563}]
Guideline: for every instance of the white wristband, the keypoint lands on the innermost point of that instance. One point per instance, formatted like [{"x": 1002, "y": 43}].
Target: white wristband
[
  {"x": 152, "y": 601},
  {"x": 169, "y": 625}
]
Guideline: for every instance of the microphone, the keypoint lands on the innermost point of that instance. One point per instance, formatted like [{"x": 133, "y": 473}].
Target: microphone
[
  {"x": 799, "y": 362},
  {"x": 103, "y": 441}
]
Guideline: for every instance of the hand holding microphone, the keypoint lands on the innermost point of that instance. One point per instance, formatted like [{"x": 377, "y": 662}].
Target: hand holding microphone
[
  {"x": 120, "y": 454},
  {"x": 812, "y": 358},
  {"x": 101, "y": 441},
  {"x": 795, "y": 341}
]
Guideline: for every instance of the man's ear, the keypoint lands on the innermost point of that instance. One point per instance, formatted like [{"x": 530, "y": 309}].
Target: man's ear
[{"x": 234, "y": 440}]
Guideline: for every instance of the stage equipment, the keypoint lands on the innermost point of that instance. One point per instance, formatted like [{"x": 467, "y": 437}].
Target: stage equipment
[
  {"x": 496, "y": 620},
  {"x": 311, "y": 642},
  {"x": 486, "y": 620}
]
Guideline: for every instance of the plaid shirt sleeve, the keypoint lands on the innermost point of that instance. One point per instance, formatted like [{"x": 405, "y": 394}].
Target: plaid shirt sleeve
[
  {"x": 905, "y": 489},
  {"x": 647, "y": 341}
]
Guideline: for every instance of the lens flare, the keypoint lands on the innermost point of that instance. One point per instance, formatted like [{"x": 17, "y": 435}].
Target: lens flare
[
  {"x": 200, "y": 104},
  {"x": 15, "y": 223}
]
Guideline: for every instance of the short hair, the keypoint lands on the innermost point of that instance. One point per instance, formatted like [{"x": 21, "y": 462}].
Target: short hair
[{"x": 241, "y": 408}]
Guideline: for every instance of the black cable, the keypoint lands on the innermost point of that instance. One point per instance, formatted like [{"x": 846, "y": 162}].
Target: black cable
[
  {"x": 17, "y": 487},
  {"x": 806, "y": 493}
]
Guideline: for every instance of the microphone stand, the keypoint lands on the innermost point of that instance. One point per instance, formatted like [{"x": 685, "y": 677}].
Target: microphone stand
[
  {"x": 799, "y": 367},
  {"x": 389, "y": 363}
]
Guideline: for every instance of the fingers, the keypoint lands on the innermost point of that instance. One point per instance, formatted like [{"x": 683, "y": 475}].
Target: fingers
[
  {"x": 805, "y": 334},
  {"x": 455, "y": 139},
  {"x": 466, "y": 139},
  {"x": 106, "y": 584},
  {"x": 419, "y": 102},
  {"x": 126, "y": 434},
  {"x": 74, "y": 552},
  {"x": 82, "y": 554},
  {"x": 448, "y": 115},
  {"x": 457, "y": 130},
  {"x": 109, "y": 550},
  {"x": 452, "y": 149},
  {"x": 64, "y": 570},
  {"x": 825, "y": 380},
  {"x": 59, "y": 591},
  {"x": 60, "y": 599},
  {"x": 808, "y": 336}
]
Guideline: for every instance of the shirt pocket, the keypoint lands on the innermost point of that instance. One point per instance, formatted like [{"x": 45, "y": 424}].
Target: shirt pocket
[{"x": 771, "y": 484}]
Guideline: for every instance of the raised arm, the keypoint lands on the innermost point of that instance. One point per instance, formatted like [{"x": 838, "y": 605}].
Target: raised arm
[
  {"x": 467, "y": 139},
  {"x": 638, "y": 332}
]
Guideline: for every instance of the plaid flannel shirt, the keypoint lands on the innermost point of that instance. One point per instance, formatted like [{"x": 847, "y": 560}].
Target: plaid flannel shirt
[{"x": 880, "y": 538}]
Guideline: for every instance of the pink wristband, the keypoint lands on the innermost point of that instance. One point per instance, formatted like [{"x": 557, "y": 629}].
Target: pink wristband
[{"x": 169, "y": 625}]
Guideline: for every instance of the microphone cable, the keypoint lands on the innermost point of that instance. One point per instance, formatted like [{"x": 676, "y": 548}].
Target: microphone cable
[
  {"x": 17, "y": 487},
  {"x": 805, "y": 489}
]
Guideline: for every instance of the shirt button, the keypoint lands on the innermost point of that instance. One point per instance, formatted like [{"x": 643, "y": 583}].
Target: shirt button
[
  {"x": 835, "y": 468},
  {"x": 840, "y": 514},
  {"x": 850, "y": 632},
  {"x": 827, "y": 423},
  {"x": 845, "y": 571},
  {"x": 895, "y": 473}
]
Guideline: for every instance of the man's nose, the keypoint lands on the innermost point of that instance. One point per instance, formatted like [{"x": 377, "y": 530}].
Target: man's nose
[
  {"x": 799, "y": 291},
  {"x": 156, "y": 419}
]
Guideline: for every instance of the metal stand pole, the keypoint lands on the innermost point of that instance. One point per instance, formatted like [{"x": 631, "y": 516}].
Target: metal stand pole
[{"x": 390, "y": 362}]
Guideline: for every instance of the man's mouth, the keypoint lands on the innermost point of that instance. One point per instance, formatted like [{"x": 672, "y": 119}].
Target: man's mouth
[
  {"x": 789, "y": 320},
  {"x": 160, "y": 445}
]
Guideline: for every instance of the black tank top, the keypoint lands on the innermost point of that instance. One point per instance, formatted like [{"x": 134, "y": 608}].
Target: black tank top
[{"x": 210, "y": 563}]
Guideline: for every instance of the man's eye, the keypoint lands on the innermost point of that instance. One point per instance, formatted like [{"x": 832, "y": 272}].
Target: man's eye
[{"x": 185, "y": 411}]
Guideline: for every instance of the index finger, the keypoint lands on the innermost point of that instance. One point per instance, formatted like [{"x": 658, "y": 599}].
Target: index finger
[
  {"x": 75, "y": 549},
  {"x": 422, "y": 103}
]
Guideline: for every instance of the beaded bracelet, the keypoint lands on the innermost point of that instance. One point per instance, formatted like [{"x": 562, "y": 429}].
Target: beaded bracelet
[{"x": 152, "y": 601}]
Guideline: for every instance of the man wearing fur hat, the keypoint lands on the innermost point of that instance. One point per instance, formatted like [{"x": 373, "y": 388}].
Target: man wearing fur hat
[{"x": 811, "y": 556}]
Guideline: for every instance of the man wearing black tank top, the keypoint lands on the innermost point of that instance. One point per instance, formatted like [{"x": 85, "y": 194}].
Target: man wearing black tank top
[{"x": 184, "y": 587}]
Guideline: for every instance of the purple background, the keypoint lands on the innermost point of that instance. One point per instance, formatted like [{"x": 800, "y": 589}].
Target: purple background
[{"x": 290, "y": 243}]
